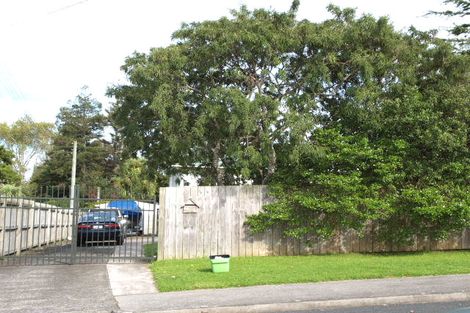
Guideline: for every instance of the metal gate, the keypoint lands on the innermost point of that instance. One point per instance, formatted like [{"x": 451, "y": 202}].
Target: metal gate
[{"x": 46, "y": 231}]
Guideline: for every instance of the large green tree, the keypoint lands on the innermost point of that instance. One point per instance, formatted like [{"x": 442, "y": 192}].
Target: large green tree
[
  {"x": 81, "y": 121},
  {"x": 393, "y": 148},
  {"x": 28, "y": 140},
  {"x": 219, "y": 100}
]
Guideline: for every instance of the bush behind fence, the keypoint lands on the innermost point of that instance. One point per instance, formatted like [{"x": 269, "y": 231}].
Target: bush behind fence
[{"x": 202, "y": 221}]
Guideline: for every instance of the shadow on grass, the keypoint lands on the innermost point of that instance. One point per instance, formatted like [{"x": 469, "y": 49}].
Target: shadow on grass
[
  {"x": 398, "y": 253},
  {"x": 205, "y": 270}
]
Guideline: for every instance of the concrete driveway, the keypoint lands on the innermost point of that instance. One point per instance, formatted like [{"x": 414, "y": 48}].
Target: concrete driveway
[{"x": 57, "y": 288}]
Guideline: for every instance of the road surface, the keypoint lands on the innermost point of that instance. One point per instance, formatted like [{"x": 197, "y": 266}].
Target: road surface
[{"x": 443, "y": 307}]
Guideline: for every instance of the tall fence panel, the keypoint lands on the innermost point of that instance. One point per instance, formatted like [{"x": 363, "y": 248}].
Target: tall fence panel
[
  {"x": 27, "y": 224},
  {"x": 202, "y": 221}
]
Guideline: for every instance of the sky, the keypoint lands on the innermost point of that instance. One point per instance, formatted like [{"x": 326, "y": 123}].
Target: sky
[{"x": 51, "y": 48}]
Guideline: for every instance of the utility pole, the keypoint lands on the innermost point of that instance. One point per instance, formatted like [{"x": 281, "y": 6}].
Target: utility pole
[
  {"x": 74, "y": 206},
  {"x": 74, "y": 172}
]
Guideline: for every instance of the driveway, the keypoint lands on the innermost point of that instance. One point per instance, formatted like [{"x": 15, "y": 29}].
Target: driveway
[
  {"x": 130, "y": 252},
  {"x": 57, "y": 288}
]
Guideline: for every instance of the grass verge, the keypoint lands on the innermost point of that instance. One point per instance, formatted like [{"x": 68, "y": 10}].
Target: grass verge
[
  {"x": 150, "y": 250},
  {"x": 173, "y": 275}
]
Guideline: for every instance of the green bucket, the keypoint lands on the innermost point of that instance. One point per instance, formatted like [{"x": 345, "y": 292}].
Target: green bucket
[{"x": 220, "y": 263}]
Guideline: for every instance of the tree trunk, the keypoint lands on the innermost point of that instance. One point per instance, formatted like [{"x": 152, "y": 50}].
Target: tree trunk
[
  {"x": 217, "y": 170},
  {"x": 271, "y": 165}
]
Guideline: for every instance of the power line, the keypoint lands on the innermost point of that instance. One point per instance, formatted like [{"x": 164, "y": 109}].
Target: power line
[{"x": 66, "y": 7}]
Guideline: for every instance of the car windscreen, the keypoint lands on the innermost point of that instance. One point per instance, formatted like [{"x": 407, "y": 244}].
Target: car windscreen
[{"x": 101, "y": 216}]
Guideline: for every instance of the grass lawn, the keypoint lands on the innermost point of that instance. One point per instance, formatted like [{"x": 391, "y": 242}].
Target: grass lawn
[
  {"x": 150, "y": 249},
  {"x": 172, "y": 275}
]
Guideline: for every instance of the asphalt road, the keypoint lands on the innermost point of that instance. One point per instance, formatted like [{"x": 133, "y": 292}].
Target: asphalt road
[{"x": 445, "y": 307}]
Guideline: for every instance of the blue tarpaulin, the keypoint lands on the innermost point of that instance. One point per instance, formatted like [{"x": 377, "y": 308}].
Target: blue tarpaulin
[{"x": 127, "y": 207}]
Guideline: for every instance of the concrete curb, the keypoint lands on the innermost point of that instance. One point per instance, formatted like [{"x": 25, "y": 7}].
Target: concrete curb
[{"x": 324, "y": 304}]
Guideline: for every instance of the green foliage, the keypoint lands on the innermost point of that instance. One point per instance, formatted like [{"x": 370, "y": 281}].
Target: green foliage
[
  {"x": 461, "y": 31},
  {"x": 339, "y": 183},
  {"x": 334, "y": 183},
  {"x": 27, "y": 140},
  {"x": 217, "y": 101},
  {"x": 82, "y": 121},
  {"x": 10, "y": 191},
  {"x": 8, "y": 175},
  {"x": 150, "y": 250},
  {"x": 391, "y": 155},
  {"x": 432, "y": 212},
  {"x": 134, "y": 180}
]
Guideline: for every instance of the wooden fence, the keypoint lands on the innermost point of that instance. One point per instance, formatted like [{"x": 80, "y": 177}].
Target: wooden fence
[
  {"x": 25, "y": 224},
  {"x": 201, "y": 221}
]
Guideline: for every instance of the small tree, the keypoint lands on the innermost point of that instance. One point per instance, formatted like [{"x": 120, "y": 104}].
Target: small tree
[
  {"x": 28, "y": 140},
  {"x": 134, "y": 180},
  {"x": 8, "y": 175}
]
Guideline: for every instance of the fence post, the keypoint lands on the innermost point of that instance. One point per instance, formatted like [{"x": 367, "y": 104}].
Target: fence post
[
  {"x": 154, "y": 218},
  {"x": 30, "y": 231},
  {"x": 19, "y": 227},
  {"x": 3, "y": 216},
  {"x": 74, "y": 208},
  {"x": 48, "y": 222},
  {"x": 161, "y": 226}
]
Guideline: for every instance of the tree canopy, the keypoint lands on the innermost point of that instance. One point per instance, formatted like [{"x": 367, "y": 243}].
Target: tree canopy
[
  {"x": 8, "y": 175},
  {"x": 27, "y": 139},
  {"x": 218, "y": 100},
  {"x": 134, "y": 180},
  {"x": 84, "y": 122},
  {"x": 351, "y": 122}
]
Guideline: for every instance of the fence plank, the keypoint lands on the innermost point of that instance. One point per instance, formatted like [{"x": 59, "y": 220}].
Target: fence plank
[
  {"x": 186, "y": 227},
  {"x": 179, "y": 203},
  {"x": 207, "y": 221},
  {"x": 194, "y": 225},
  {"x": 222, "y": 231},
  {"x": 2, "y": 226},
  {"x": 232, "y": 205},
  {"x": 170, "y": 233},
  {"x": 246, "y": 201},
  {"x": 19, "y": 228},
  {"x": 199, "y": 199}
]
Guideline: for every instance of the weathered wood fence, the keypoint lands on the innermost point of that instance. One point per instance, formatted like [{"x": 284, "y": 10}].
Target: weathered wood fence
[
  {"x": 25, "y": 224},
  {"x": 201, "y": 221}
]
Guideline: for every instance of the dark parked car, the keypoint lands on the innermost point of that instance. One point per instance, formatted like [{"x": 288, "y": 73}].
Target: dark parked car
[{"x": 101, "y": 226}]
